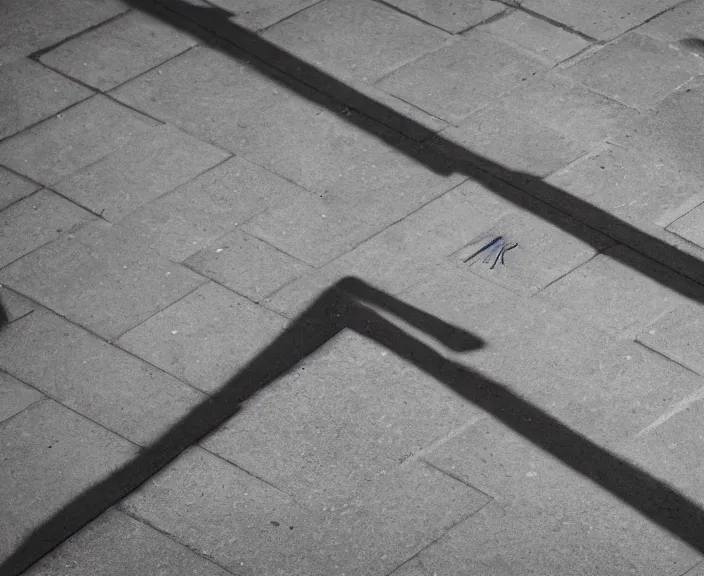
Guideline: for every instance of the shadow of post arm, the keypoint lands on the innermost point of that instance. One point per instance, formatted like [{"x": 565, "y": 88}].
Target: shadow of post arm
[
  {"x": 652, "y": 498},
  {"x": 451, "y": 336},
  {"x": 336, "y": 309}
]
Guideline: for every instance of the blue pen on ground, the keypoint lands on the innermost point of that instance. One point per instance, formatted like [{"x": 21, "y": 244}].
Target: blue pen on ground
[{"x": 485, "y": 247}]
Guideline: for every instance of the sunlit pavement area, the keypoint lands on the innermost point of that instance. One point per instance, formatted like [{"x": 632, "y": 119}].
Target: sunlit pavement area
[{"x": 362, "y": 288}]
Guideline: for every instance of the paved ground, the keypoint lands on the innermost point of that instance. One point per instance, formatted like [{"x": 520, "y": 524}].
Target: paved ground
[{"x": 178, "y": 185}]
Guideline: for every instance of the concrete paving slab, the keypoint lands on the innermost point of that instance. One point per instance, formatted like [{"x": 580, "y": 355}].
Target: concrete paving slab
[
  {"x": 544, "y": 40},
  {"x": 617, "y": 393},
  {"x": 100, "y": 381},
  {"x": 604, "y": 19},
  {"x": 203, "y": 92},
  {"x": 186, "y": 220},
  {"x": 72, "y": 140},
  {"x": 153, "y": 163},
  {"x": 631, "y": 185},
  {"x": 15, "y": 304},
  {"x": 364, "y": 40},
  {"x": 205, "y": 338},
  {"x": 556, "y": 101},
  {"x": 450, "y": 15},
  {"x": 118, "y": 50},
  {"x": 670, "y": 448},
  {"x": 51, "y": 455},
  {"x": 682, "y": 22},
  {"x": 15, "y": 396},
  {"x": 669, "y": 134},
  {"x": 193, "y": 501},
  {"x": 361, "y": 201},
  {"x": 323, "y": 440},
  {"x": 35, "y": 221},
  {"x": 14, "y": 187},
  {"x": 260, "y": 14},
  {"x": 637, "y": 70},
  {"x": 313, "y": 230},
  {"x": 227, "y": 515},
  {"x": 689, "y": 226},
  {"x": 677, "y": 335},
  {"x": 115, "y": 544},
  {"x": 531, "y": 540},
  {"x": 100, "y": 278},
  {"x": 614, "y": 297},
  {"x": 545, "y": 518},
  {"x": 246, "y": 265},
  {"x": 392, "y": 518},
  {"x": 30, "y": 93},
  {"x": 30, "y": 26},
  {"x": 463, "y": 77},
  {"x": 362, "y": 178},
  {"x": 505, "y": 139}
]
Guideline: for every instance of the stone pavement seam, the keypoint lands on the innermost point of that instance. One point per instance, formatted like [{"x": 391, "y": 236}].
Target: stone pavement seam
[
  {"x": 596, "y": 253},
  {"x": 556, "y": 23},
  {"x": 71, "y": 230},
  {"x": 449, "y": 42},
  {"x": 448, "y": 529},
  {"x": 692, "y": 569},
  {"x": 40, "y": 399},
  {"x": 409, "y": 103},
  {"x": 86, "y": 208},
  {"x": 39, "y": 53},
  {"x": 249, "y": 473},
  {"x": 432, "y": 445},
  {"x": 48, "y": 398},
  {"x": 109, "y": 342},
  {"x": 28, "y": 179},
  {"x": 205, "y": 281},
  {"x": 28, "y": 312},
  {"x": 578, "y": 57},
  {"x": 190, "y": 547},
  {"x": 659, "y": 353},
  {"x": 106, "y": 92},
  {"x": 414, "y": 16},
  {"x": 218, "y": 283},
  {"x": 510, "y": 9},
  {"x": 458, "y": 478},
  {"x": 37, "y": 123},
  {"x": 266, "y": 28}
]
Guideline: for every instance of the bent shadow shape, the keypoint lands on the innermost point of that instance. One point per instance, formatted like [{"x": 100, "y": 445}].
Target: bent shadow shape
[
  {"x": 345, "y": 305},
  {"x": 341, "y": 307}
]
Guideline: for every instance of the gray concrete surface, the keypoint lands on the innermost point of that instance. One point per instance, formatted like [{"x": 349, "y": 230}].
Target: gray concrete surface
[{"x": 178, "y": 185}]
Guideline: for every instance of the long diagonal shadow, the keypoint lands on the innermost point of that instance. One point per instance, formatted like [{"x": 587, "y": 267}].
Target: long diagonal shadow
[
  {"x": 212, "y": 25},
  {"x": 342, "y": 306}
]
